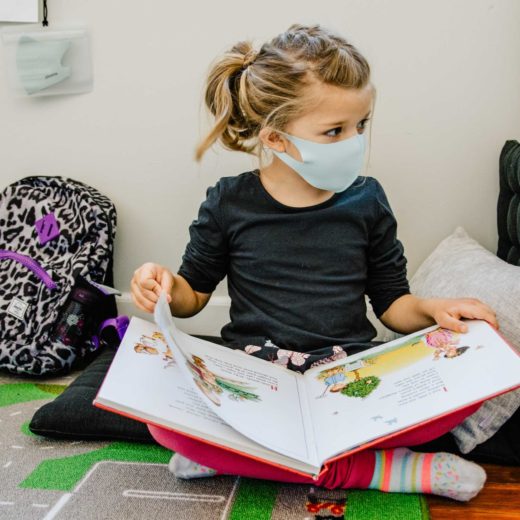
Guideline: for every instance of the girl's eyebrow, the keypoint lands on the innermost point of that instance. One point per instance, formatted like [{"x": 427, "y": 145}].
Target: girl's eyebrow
[{"x": 341, "y": 122}]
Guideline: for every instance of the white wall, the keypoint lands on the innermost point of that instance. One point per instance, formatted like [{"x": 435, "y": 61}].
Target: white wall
[{"x": 447, "y": 76}]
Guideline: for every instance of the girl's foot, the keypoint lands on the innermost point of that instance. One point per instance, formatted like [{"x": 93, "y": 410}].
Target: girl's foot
[
  {"x": 446, "y": 474},
  {"x": 182, "y": 467}
]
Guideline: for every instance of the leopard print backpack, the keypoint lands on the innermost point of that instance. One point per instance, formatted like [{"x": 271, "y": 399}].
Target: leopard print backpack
[{"x": 56, "y": 262}]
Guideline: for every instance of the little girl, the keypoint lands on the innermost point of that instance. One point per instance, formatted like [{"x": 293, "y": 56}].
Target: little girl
[{"x": 302, "y": 240}]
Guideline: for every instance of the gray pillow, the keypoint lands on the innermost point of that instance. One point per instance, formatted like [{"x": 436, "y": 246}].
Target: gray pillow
[{"x": 460, "y": 267}]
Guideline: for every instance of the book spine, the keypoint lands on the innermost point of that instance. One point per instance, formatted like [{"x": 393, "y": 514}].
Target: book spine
[{"x": 308, "y": 425}]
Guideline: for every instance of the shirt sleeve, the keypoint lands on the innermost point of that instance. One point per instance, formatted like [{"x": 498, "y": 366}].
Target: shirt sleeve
[
  {"x": 386, "y": 276},
  {"x": 205, "y": 260}
]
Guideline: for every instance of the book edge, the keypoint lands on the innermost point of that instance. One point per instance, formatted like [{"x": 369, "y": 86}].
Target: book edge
[
  {"x": 102, "y": 405},
  {"x": 326, "y": 462}
]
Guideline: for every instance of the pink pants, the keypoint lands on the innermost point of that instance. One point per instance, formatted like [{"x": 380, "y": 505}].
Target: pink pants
[{"x": 354, "y": 471}]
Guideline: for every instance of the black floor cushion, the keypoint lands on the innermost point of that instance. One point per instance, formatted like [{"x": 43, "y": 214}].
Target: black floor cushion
[{"x": 72, "y": 416}]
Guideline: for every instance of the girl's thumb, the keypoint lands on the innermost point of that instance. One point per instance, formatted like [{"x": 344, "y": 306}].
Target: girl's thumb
[{"x": 167, "y": 283}]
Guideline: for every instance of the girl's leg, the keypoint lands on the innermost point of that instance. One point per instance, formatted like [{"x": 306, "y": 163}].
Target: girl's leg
[
  {"x": 225, "y": 461},
  {"x": 446, "y": 474},
  {"x": 401, "y": 469},
  {"x": 222, "y": 460},
  {"x": 389, "y": 470}
]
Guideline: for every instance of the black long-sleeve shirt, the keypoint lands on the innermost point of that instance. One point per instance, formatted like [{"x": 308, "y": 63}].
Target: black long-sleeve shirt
[{"x": 297, "y": 276}]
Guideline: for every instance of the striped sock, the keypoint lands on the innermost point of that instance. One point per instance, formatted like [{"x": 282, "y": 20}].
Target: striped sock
[{"x": 446, "y": 474}]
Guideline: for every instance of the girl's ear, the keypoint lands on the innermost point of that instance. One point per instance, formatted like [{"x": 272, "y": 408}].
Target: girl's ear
[{"x": 272, "y": 139}]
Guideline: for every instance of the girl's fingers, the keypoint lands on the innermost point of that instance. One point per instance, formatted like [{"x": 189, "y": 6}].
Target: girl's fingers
[
  {"x": 488, "y": 308},
  {"x": 142, "y": 303},
  {"x": 145, "y": 272},
  {"x": 472, "y": 311},
  {"x": 481, "y": 311},
  {"x": 141, "y": 300},
  {"x": 490, "y": 317},
  {"x": 167, "y": 282},
  {"x": 145, "y": 293},
  {"x": 147, "y": 276},
  {"x": 449, "y": 322},
  {"x": 148, "y": 283}
]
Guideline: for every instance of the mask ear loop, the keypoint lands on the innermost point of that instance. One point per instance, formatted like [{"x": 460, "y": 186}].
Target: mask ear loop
[{"x": 45, "y": 23}]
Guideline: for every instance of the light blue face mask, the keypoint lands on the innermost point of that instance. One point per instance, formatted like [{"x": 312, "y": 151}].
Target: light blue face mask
[
  {"x": 327, "y": 166},
  {"x": 39, "y": 63}
]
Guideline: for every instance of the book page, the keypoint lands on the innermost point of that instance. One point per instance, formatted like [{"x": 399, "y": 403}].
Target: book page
[
  {"x": 259, "y": 399},
  {"x": 145, "y": 381},
  {"x": 405, "y": 382}
]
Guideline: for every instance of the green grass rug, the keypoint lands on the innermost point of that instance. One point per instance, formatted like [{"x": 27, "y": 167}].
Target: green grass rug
[{"x": 49, "y": 479}]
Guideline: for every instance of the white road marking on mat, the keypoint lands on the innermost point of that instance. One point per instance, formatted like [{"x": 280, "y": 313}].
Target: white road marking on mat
[
  {"x": 7, "y": 464},
  {"x": 6, "y": 503},
  {"x": 14, "y": 413},
  {"x": 47, "y": 448},
  {"x": 75, "y": 442},
  {"x": 17, "y": 447},
  {"x": 167, "y": 495},
  {"x": 94, "y": 467},
  {"x": 57, "y": 506},
  {"x": 40, "y": 505},
  {"x": 231, "y": 495}
]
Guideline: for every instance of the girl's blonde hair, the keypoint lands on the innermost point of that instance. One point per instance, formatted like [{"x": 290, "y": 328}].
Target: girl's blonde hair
[{"x": 247, "y": 90}]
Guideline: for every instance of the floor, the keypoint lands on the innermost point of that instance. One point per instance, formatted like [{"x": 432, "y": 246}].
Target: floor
[{"x": 500, "y": 498}]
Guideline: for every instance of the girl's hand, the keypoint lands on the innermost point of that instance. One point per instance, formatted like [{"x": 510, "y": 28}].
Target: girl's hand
[
  {"x": 148, "y": 282},
  {"x": 447, "y": 311}
]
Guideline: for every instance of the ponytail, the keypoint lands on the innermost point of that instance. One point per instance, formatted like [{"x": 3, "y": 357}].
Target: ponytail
[{"x": 223, "y": 98}]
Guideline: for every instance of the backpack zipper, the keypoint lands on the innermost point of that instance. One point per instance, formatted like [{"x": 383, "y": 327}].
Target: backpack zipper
[{"x": 31, "y": 264}]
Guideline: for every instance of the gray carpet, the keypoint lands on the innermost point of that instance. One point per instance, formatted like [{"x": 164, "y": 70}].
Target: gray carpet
[{"x": 47, "y": 479}]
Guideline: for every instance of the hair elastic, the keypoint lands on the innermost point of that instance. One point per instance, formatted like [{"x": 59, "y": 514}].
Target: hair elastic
[{"x": 249, "y": 58}]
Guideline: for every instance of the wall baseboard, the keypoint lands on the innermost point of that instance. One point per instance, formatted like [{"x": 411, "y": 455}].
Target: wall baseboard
[
  {"x": 215, "y": 315},
  {"x": 208, "y": 322}
]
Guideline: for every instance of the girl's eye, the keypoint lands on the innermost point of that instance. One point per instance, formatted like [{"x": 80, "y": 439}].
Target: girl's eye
[
  {"x": 333, "y": 130},
  {"x": 364, "y": 122}
]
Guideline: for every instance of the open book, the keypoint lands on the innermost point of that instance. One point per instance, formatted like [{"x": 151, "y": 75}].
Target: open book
[{"x": 302, "y": 422}]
